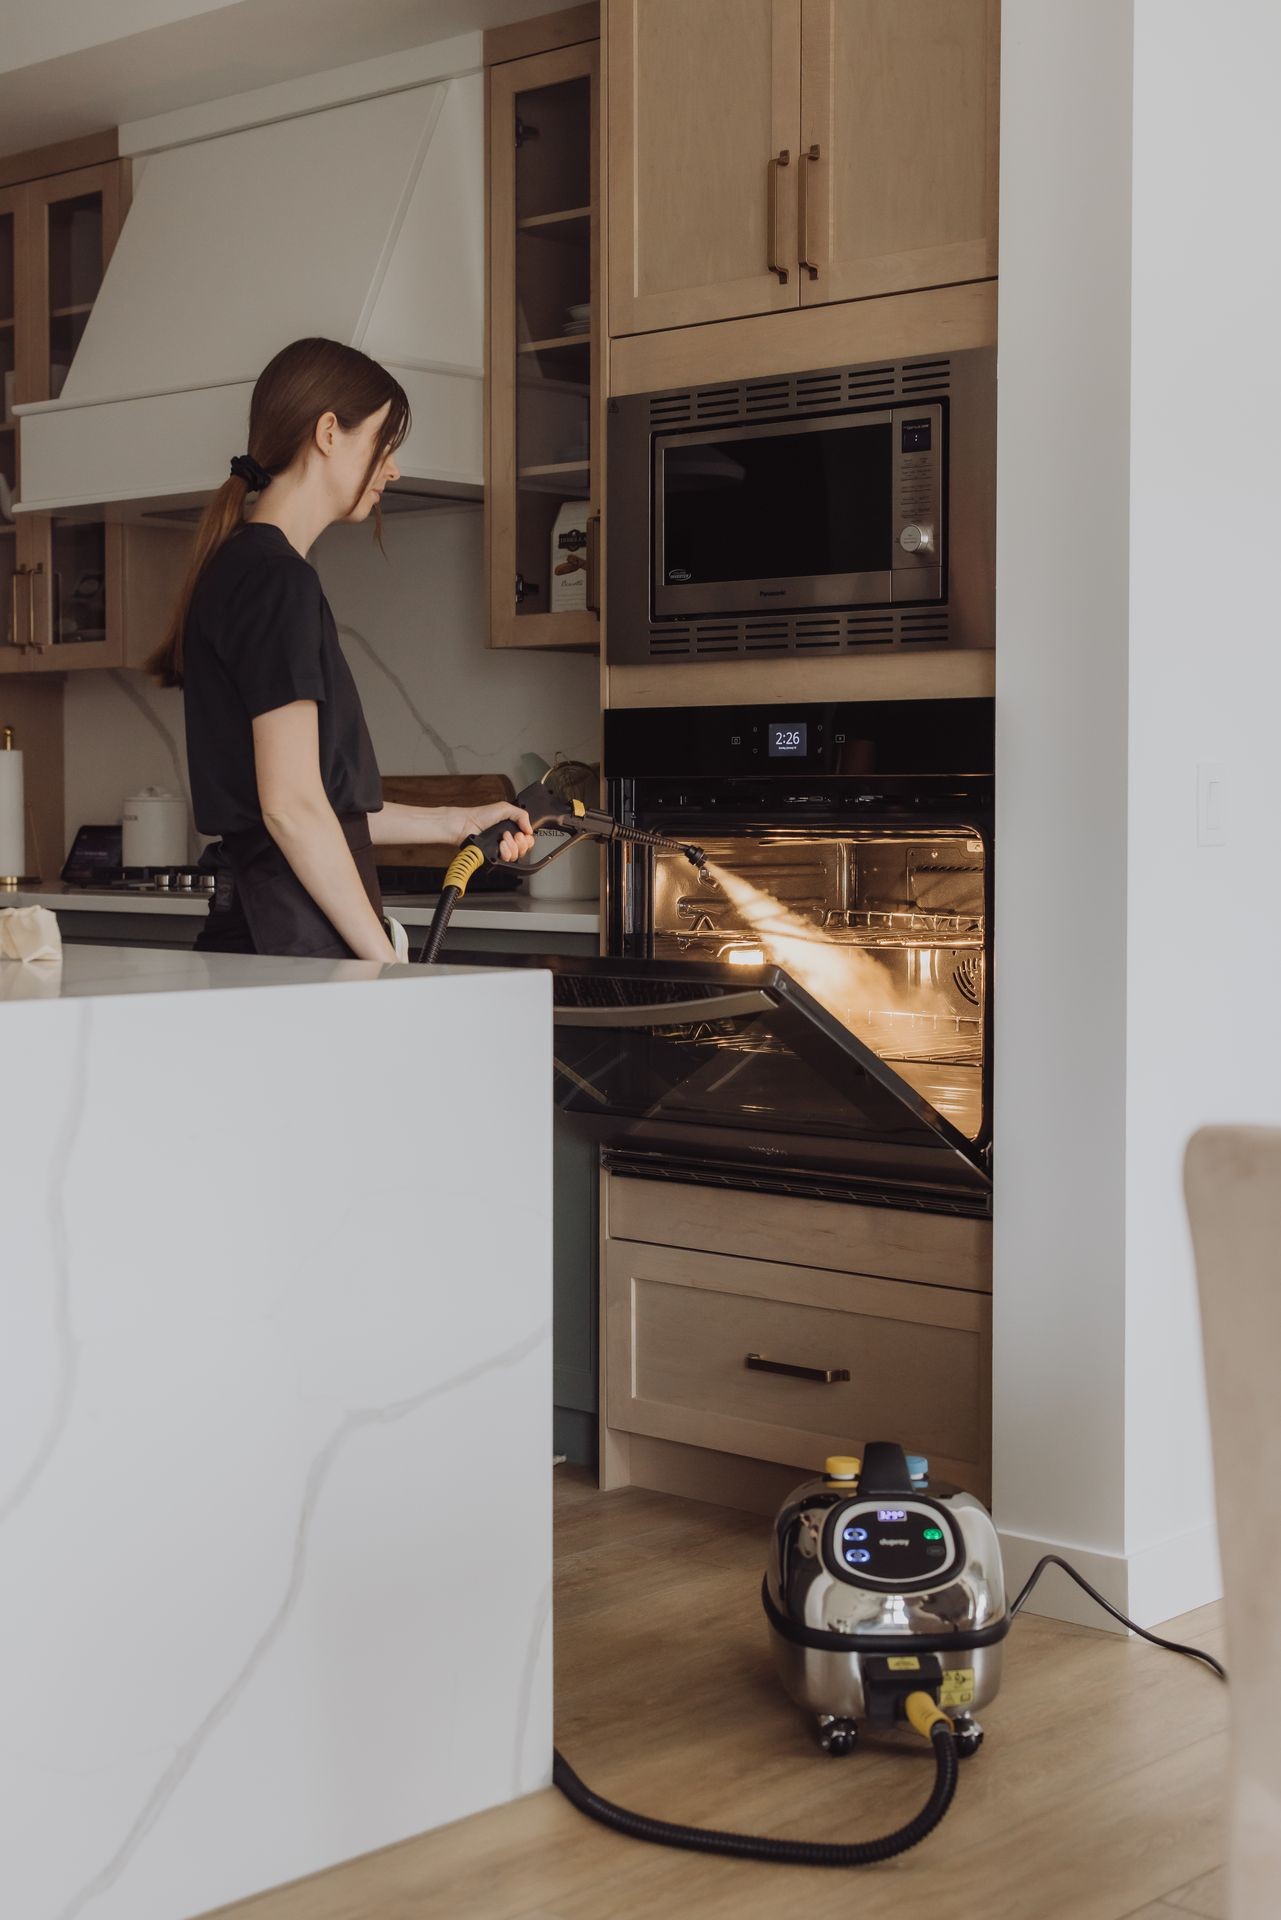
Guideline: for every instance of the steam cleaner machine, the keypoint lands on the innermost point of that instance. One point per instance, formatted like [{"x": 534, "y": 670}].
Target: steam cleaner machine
[{"x": 884, "y": 1594}]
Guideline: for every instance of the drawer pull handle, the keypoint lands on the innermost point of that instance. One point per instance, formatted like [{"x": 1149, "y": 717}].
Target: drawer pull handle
[{"x": 826, "y": 1376}]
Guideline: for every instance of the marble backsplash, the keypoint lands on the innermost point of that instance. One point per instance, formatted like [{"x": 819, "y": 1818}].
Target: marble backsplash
[{"x": 413, "y": 626}]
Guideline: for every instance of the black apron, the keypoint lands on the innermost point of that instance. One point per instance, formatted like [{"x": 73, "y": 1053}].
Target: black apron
[{"x": 261, "y": 906}]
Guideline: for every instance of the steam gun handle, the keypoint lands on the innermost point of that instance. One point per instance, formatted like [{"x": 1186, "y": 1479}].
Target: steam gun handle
[{"x": 571, "y": 825}]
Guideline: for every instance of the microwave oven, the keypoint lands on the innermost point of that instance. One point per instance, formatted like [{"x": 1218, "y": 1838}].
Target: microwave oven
[{"x": 848, "y": 508}]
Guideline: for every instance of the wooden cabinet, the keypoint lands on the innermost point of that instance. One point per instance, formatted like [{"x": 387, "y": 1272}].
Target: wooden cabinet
[
  {"x": 704, "y": 120},
  {"x": 898, "y": 145},
  {"x": 544, "y": 349},
  {"x": 60, "y": 577},
  {"x": 797, "y": 152},
  {"x": 871, "y": 1323}
]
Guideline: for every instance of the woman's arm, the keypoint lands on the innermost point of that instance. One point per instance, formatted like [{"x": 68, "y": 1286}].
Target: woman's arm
[
  {"x": 401, "y": 826},
  {"x": 299, "y": 818}
]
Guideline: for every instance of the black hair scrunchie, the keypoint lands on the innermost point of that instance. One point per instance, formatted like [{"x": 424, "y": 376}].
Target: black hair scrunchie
[{"x": 246, "y": 468}]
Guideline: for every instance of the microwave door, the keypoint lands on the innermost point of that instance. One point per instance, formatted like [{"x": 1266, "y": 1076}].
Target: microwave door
[{"x": 796, "y": 513}]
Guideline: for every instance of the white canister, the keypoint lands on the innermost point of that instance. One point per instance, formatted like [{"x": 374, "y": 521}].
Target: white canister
[
  {"x": 573, "y": 875},
  {"x": 154, "y": 829}
]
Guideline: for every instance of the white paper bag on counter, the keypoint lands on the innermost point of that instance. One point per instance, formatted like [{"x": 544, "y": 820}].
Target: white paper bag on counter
[{"x": 29, "y": 933}]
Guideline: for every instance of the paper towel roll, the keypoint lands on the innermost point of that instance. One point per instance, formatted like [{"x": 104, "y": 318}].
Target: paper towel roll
[{"x": 13, "y": 833}]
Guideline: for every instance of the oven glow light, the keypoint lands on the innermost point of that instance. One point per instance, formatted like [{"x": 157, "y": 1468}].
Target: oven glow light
[{"x": 744, "y": 957}]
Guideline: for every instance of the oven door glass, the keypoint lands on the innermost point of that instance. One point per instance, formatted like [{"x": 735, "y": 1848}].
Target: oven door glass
[
  {"x": 741, "y": 1067},
  {"x": 883, "y": 926},
  {"x": 803, "y": 506}
]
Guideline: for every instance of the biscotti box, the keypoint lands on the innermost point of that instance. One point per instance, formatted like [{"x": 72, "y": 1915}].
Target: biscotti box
[{"x": 569, "y": 558}]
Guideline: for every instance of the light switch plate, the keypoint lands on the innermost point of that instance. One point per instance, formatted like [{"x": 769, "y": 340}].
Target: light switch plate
[{"x": 1211, "y": 805}]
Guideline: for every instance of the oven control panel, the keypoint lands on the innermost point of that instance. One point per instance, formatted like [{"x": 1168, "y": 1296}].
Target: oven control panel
[{"x": 852, "y": 739}]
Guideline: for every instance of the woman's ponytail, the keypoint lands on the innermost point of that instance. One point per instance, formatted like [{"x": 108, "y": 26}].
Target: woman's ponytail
[
  {"x": 305, "y": 380},
  {"x": 220, "y": 519}
]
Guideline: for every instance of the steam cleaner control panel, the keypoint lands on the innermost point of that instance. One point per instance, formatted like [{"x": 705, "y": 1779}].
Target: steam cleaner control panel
[{"x": 888, "y": 1543}]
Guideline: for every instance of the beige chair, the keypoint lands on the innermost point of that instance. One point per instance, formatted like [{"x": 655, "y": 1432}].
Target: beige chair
[{"x": 1232, "y": 1178}]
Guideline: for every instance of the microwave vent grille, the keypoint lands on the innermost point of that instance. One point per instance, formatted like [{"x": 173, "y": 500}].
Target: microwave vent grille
[
  {"x": 925, "y": 377},
  {"x": 754, "y": 636},
  {"x": 799, "y": 393},
  {"x": 926, "y": 628}
]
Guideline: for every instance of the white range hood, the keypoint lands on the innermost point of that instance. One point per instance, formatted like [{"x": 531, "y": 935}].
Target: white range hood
[{"x": 363, "y": 222}]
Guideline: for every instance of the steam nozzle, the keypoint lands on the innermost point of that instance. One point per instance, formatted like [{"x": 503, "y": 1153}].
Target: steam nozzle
[{"x": 695, "y": 856}]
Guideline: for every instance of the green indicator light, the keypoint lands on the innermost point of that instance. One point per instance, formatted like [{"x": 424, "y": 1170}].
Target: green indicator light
[{"x": 933, "y": 1533}]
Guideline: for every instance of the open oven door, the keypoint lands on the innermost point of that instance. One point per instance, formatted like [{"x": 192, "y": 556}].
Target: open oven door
[{"x": 740, "y": 1071}]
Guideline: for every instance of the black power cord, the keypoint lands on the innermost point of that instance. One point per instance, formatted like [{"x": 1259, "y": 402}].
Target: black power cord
[
  {"x": 788, "y": 1853},
  {"x": 1170, "y": 1646}
]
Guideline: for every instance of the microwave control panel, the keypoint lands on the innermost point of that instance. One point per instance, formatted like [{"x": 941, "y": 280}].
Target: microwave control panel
[{"x": 917, "y": 452}]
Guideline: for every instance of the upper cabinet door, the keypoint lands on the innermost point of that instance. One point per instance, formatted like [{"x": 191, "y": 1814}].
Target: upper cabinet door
[
  {"x": 74, "y": 221},
  {"x": 61, "y": 576},
  {"x": 704, "y": 117},
  {"x": 898, "y": 145}
]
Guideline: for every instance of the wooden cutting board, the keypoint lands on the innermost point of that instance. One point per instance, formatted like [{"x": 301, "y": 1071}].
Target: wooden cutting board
[{"x": 438, "y": 790}]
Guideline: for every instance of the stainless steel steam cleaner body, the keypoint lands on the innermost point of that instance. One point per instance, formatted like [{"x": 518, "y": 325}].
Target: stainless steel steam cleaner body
[{"x": 878, "y": 1585}]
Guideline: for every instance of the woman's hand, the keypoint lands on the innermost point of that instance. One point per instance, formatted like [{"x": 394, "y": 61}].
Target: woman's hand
[{"x": 512, "y": 845}]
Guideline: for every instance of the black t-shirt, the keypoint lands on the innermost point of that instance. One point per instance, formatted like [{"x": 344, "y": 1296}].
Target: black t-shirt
[{"x": 260, "y": 635}]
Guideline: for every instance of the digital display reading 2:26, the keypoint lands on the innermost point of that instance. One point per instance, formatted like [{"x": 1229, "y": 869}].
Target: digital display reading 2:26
[{"x": 787, "y": 736}]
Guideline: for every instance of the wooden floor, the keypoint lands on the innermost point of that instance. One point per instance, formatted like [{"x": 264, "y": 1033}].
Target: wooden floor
[{"x": 1097, "y": 1795}]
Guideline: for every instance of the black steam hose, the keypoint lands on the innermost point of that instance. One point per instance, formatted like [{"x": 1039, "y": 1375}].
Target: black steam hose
[{"x": 787, "y": 1853}]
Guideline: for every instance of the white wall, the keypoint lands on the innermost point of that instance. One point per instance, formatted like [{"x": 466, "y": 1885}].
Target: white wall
[
  {"x": 1203, "y": 1012},
  {"x": 1062, "y": 606},
  {"x": 437, "y": 699},
  {"x": 1140, "y": 283}
]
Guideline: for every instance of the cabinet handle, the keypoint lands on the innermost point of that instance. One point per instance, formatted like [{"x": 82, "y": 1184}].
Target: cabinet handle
[
  {"x": 810, "y": 155},
  {"x": 776, "y": 165},
  {"x": 593, "y": 563},
  {"x": 826, "y": 1376},
  {"x": 17, "y": 575},
  {"x": 38, "y": 577}
]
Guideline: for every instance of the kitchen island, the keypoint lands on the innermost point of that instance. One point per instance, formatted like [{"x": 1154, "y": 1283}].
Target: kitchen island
[{"x": 275, "y": 1418}]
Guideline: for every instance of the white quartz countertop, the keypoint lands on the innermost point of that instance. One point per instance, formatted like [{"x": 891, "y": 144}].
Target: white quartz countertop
[
  {"x": 89, "y": 972},
  {"x": 493, "y": 912}
]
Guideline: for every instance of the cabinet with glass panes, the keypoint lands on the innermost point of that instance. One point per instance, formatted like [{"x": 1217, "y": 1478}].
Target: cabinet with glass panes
[
  {"x": 543, "y": 485},
  {"x": 59, "y": 577}
]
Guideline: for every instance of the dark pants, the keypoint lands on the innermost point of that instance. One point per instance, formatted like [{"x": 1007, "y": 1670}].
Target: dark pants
[{"x": 261, "y": 906}]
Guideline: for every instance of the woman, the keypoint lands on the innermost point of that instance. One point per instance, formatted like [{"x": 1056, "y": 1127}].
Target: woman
[{"x": 282, "y": 767}]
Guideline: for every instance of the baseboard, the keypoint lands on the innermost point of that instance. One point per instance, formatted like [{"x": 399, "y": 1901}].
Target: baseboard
[
  {"x": 1152, "y": 1585},
  {"x": 1057, "y": 1597},
  {"x": 1175, "y": 1576}
]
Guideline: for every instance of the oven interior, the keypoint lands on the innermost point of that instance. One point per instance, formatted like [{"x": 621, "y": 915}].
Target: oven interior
[{"x": 885, "y": 927}]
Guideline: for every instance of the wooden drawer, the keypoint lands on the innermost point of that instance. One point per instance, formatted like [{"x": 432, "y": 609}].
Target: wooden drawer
[
  {"x": 930, "y": 1248},
  {"x": 680, "y": 1324}
]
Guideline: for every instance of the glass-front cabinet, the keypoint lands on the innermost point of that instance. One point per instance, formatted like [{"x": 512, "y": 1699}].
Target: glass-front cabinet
[
  {"x": 542, "y": 487},
  {"x": 59, "y": 577}
]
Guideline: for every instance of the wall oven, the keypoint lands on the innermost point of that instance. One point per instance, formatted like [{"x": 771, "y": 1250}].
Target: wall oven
[
  {"x": 812, "y": 1012},
  {"x": 810, "y": 513}
]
